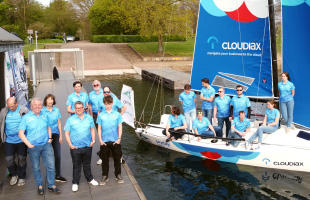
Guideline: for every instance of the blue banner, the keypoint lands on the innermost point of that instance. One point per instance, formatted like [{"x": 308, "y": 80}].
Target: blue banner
[
  {"x": 296, "y": 54},
  {"x": 233, "y": 47}
]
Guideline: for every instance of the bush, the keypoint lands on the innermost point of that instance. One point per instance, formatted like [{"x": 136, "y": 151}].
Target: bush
[
  {"x": 132, "y": 38},
  {"x": 59, "y": 37}
]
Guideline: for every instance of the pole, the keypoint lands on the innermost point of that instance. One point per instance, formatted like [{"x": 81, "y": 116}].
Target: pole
[{"x": 36, "y": 33}]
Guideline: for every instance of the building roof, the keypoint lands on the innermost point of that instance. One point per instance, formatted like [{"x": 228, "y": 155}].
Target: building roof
[{"x": 7, "y": 38}]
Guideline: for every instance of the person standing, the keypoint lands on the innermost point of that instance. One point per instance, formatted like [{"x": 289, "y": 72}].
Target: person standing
[
  {"x": 287, "y": 93},
  {"x": 39, "y": 139},
  {"x": 222, "y": 110},
  {"x": 80, "y": 136},
  {"x": 10, "y": 118},
  {"x": 54, "y": 116},
  {"x": 239, "y": 128},
  {"x": 188, "y": 101},
  {"x": 94, "y": 97},
  {"x": 207, "y": 96},
  {"x": 110, "y": 135},
  {"x": 77, "y": 95},
  {"x": 64, "y": 38},
  {"x": 240, "y": 103}
]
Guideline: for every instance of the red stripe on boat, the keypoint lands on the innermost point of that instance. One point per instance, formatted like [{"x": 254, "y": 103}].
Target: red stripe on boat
[{"x": 211, "y": 155}]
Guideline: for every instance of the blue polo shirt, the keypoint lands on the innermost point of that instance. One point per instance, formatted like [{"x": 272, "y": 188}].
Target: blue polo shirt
[
  {"x": 12, "y": 121},
  {"x": 241, "y": 126},
  {"x": 286, "y": 91},
  {"x": 52, "y": 118},
  {"x": 207, "y": 93},
  {"x": 239, "y": 104},
  {"x": 202, "y": 125},
  {"x": 36, "y": 127},
  {"x": 176, "y": 122},
  {"x": 116, "y": 104},
  {"x": 94, "y": 99},
  {"x": 80, "y": 134},
  {"x": 109, "y": 124},
  {"x": 272, "y": 115},
  {"x": 188, "y": 100},
  {"x": 72, "y": 98},
  {"x": 223, "y": 106}
]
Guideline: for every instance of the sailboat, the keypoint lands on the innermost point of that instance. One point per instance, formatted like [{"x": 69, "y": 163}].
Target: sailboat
[{"x": 234, "y": 47}]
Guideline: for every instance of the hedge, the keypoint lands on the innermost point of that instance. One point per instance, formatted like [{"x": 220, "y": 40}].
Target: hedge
[{"x": 132, "y": 38}]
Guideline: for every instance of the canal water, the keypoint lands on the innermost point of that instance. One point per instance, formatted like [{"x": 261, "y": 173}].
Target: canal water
[{"x": 165, "y": 174}]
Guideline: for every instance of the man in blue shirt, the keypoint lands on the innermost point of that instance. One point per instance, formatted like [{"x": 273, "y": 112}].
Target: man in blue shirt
[
  {"x": 38, "y": 139},
  {"x": 222, "y": 110},
  {"x": 94, "y": 100},
  {"x": 188, "y": 101},
  {"x": 207, "y": 95},
  {"x": 117, "y": 104},
  {"x": 80, "y": 135},
  {"x": 240, "y": 103},
  {"x": 77, "y": 95},
  {"x": 239, "y": 128},
  {"x": 110, "y": 133},
  {"x": 10, "y": 118}
]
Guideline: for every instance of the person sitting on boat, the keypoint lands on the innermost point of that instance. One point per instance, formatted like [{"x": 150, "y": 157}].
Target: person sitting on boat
[
  {"x": 176, "y": 124},
  {"x": 207, "y": 95},
  {"x": 286, "y": 93},
  {"x": 188, "y": 101},
  {"x": 270, "y": 123},
  {"x": 202, "y": 126},
  {"x": 240, "y": 103},
  {"x": 239, "y": 128},
  {"x": 222, "y": 110}
]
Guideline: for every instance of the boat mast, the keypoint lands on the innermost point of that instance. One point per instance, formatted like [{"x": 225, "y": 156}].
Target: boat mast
[{"x": 273, "y": 47}]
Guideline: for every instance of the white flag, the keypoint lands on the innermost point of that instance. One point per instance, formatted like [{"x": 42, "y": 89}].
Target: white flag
[{"x": 127, "y": 98}]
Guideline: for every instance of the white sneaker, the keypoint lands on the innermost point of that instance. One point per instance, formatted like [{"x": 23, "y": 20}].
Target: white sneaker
[
  {"x": 99, "y": 162},
  {"x": 94, "y": 182},
  {"x": 293, "y": 127},
  {"x": 75, "y": 187},
  {"x": 288, "y": 129}
]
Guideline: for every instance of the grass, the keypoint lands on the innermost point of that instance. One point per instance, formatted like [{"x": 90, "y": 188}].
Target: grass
[
  {"x": 173, "y": 48},
  {"x": 41, "y": 44}
]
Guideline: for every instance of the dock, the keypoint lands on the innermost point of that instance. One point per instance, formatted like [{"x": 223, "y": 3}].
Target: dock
[
  {"x": 112, "y": 190},
  {"x": 172, "y": 79}
]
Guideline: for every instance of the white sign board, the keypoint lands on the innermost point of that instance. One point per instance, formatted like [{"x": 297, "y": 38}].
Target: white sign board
[
  {"x": 127, "y": 98},
  {"x": 30, "y": 31}
]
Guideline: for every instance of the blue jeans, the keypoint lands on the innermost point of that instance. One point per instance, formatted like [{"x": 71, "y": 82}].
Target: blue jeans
[
  {"x": 287, "y": 109},
  {"x": 260, "y": 131},
  {"x": 217, "y": 130},
  {"x": 221, "y": 121},
  {"x": 233, "y": 134},
  {"x": 208, "y": 113},
  {"x": 190, "y": 115},
  {"x": 57, "y": 153},
  {"x": 46, "y": 151}
]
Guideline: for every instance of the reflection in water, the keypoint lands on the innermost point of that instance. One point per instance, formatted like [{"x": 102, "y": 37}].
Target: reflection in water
[{"x": 165, "y": 174}]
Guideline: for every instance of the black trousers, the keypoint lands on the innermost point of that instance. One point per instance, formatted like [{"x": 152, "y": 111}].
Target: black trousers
[
  {"x": 81, "y": 156},
  {"x": 95, "y": 120},
  {"x": 105, "y": 154},
  {"x": 57, "y": 153},
  {"x": 177, "y": 135},
  {"x": 18, "y": 169}
]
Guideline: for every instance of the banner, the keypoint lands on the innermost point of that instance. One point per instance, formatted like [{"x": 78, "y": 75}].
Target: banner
[
  {"x": 233, "y": 47},
  {"x": 296, "y": 54},
  {"x": 127, "y": 98}
]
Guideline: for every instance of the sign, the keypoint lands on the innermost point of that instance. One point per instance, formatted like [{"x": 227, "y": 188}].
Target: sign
[
  {"x": 30, "y": 31},
  {"x": 127, "y": 98}
]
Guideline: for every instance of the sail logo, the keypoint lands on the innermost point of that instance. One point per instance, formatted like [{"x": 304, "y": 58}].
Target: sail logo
[
  {"x": 212, "y": 40},
  {"x": 242, "y": 45},
  {"x": 266, "y": 161}
]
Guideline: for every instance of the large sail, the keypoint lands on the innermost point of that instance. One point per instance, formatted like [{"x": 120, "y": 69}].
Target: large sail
[
  {"x": 296, "y": 54},
  {"x": 233, "y": 46}
]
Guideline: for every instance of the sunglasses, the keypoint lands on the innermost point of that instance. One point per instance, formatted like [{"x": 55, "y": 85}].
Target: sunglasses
[
  {"x": 106, "y": 92},
  {"x": 220, "y": 91},
  {"x": 239, "y": 90},
  {"x": 199, "y": 112},
  {"x": 96, "y": 85}
]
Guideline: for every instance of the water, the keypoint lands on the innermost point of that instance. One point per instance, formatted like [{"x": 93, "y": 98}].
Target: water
[{"x": 165, "y": 174}]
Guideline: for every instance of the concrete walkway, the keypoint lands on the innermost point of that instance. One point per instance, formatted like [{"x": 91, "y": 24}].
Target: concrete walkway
[{"x": 112, "y": 190}]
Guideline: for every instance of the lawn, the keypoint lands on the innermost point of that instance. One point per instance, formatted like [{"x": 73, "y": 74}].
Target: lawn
[
  {"x": 173, "y": 48},
  {"x": 41, "y": 44}
]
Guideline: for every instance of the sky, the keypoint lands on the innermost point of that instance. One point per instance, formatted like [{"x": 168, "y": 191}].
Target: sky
[{"x": 44, "y": 2}]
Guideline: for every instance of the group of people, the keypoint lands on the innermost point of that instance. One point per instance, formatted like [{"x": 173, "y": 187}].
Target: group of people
[
  {"x": 234, "y": 112},
  {"x": 38, "y": 132}
]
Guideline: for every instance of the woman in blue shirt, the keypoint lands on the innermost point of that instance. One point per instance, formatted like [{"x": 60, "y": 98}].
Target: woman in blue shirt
[
  {"x": 286, "y": 93},
  {"x": 270, "y": 123},
  {"x": 176, "y": 123},
  {"x": 202, "y": 126},
  {"x": 53, "y": 115}
]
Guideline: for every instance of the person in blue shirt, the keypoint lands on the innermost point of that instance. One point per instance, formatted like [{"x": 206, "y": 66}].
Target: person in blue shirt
[
  {"x": 240, "y": 103},
  {"x": 110, "y": 134},
  {"x": 95, "y": 97},
  {"x": 207, "y": 95},
  {"x": 239, "y": 128},
  {"x": 10, "y": 118},
  {"x": 286, "y": 93},
  {"x": 222, "y": 110},
  {"x": 202, "y": 126},
  {"x": 270, "y": 123},
  {"x": 39, "y": 139},
  {"x": 77, "y": 95},
  {"x": 117, "y": 104},
  {"x": 176, "y": 124},
  {"x": 188, "y": 101},
  {"x": 54, "y": 116},
  {"x": 80, "y": 136}
]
